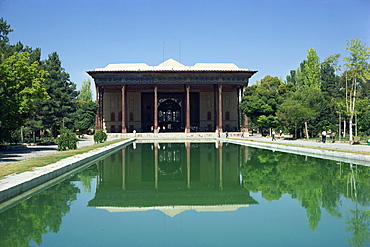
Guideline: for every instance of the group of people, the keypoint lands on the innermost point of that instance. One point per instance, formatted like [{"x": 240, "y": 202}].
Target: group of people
[{"x": 163, "y": 129}]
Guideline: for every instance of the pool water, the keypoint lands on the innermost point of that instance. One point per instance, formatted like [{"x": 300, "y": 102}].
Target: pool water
[{"x": 198, "y": 194}]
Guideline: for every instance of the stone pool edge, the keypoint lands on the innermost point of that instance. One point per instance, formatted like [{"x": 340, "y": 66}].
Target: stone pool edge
[{"x": 17, "y": 184}]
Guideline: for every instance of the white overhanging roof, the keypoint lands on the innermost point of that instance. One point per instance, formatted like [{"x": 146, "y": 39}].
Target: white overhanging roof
[{"x": 172, "y": 65}]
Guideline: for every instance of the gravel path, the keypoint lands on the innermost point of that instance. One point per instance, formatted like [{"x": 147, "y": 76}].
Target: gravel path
[
  {"x": 313, "y": 143},
  {"x": 29, "y": 152}
]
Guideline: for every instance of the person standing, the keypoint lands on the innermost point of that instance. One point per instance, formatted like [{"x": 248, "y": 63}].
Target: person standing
[
  {"x": 273, "y": 135},
  {"x": 227, "y": 134},
  {"x": 323, "y": 135}
]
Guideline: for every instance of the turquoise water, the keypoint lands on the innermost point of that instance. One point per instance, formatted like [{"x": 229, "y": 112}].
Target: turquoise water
[{"x": 198, "y": 194}]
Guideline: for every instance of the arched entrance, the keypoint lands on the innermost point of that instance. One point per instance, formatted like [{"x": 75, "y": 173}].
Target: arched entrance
[{"x": 169, "y": 114}]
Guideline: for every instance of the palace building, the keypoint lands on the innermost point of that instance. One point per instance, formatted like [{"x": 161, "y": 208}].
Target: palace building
[{"x": 169, "y": 97}]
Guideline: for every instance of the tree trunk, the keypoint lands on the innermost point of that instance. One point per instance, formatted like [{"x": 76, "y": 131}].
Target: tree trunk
[
  {"x": 295, "y": 132},
  {"x": 352, "y": 110},
  {"x": 350, "y": 128},
  {"x": 344, "y": 128},
  {"x": 306, "y": 129}
]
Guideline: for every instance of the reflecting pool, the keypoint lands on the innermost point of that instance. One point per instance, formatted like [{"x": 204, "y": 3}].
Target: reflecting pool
[{"x": 198, "y": 194}]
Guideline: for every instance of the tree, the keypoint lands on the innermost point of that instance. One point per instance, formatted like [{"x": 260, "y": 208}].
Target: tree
[
  {"x": 293, "y": 113},
  {"x": 84, "y": 117},
  {"x": 85, "y": 93},
  {"x": 21, "y": 84},
  {"x": 330, "y": 82},
  {"x": 363, "y": 116},
  {"x": 311, "y": 74},
  {"x": 4, "y": 31},
  {"x": 358, "y": 71},
  {"x": 57, "y": 111},
  {"x": 261, "y": 101}
]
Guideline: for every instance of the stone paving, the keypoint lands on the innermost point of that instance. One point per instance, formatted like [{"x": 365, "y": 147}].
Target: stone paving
[
  {"x": 18, "y": 154},
  {"x": 312, "y": 143}
]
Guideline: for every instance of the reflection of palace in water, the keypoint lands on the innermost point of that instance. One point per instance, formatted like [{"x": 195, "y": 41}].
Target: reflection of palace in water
[{"x": 172, "y": 177}]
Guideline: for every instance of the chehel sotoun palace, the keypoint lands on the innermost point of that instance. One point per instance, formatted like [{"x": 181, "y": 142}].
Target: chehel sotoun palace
[{"x": 170, "y": 96}]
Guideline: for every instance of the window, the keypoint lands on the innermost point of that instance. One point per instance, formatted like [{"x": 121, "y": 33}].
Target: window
[
  {"x": 113, "y": 129},
  {"x": 112, "y": 117},
  {"x": 209, "y": 116},
  {"x": 131, "y": 116},
  {"x": 120, "y": 116},
  {"x": 227, "y": 115}
]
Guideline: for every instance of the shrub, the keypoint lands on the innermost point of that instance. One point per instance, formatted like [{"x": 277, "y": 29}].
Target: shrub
[
  {"x": 100, "y": 136},
  {"x": 67, "y": 139}
]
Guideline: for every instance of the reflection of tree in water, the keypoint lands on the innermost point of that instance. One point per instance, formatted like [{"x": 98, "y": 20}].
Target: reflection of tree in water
[
  {"x": 86, "y": 176},
  {"x": 358, "y": 219},
  {"x": 315, "y": 183},
  {"x": 38, "y": 215}
]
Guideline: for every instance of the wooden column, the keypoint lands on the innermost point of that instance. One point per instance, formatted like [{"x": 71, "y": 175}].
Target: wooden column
[
  {"x": 238, "y": 96},
  {"x": 215, "y": 107},
  {"x": 124, "y": 129},
  {"x": 101, "y": 105},
  {"x": 245, "y": 125},
  {"x": 187, "y": 123},
  {"x": 155, "y": 109},
  {"x": 97, "y": 117},
  {"x": 220, "y": 108}
]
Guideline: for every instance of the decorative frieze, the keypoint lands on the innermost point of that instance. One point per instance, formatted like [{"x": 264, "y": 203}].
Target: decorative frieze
[{"x": 171, "y": 80}]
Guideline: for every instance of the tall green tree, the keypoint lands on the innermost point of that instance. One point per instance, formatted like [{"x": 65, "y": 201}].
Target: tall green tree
[
  {"x": 4, "y": 31},
  {"x": 21, "y": 84},
  {"x": 293, "y": 113},
  {"x": 57, "y": 111},
  {"x": 311, "y": 74},
  {"x": 358, "y": 71},
  {"x": 85, "y": 93},
  {"x": 84, "y": 117},
  {"x": 330, "y": 82},
  {"x": 261, "y": 101}
]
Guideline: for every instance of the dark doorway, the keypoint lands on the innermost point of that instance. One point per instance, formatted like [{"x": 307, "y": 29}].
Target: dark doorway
[{"x": 169, "y": 115}]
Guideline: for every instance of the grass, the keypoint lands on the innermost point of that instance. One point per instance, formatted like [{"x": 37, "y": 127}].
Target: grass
[
  {"x": 303, "y": 146},
  {"x": 29, "y": 164}
]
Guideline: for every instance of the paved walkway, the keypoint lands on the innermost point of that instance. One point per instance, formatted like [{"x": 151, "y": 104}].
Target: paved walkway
[
  {"x": 29, "y": 152},
  {"x": 313, "y": 143},
  {"x": 37, "y": 151}
]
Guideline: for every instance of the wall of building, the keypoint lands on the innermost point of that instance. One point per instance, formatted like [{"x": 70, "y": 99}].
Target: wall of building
[
  {"x": 112, "y": 111},
  {"x": 207, "y": 113},
  {"x": 230, "y": 111},
  {"x": 133, "y": 111}
]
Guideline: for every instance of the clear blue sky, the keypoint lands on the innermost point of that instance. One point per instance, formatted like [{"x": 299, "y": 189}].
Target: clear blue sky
[{"x": 269, "y": 36}]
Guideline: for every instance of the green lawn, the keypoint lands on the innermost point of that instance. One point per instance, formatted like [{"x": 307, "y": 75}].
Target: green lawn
[{"x": 29, "y": 164}]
